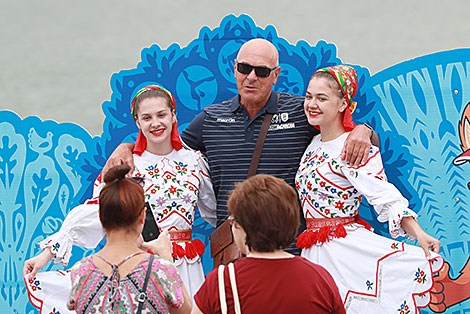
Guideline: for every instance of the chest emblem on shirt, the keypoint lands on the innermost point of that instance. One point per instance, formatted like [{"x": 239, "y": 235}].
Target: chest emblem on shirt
[
  {"x": 278, "y": 122},
  {"x": 226, "y": 120},
  {"x": 280, "y": 117}
]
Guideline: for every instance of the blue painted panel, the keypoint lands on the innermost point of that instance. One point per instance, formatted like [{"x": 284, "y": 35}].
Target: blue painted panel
[{"x": 47, "y": 168}]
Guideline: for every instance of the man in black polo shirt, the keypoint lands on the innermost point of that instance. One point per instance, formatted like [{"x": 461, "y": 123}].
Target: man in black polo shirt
[{"x": 227, "y": 132}]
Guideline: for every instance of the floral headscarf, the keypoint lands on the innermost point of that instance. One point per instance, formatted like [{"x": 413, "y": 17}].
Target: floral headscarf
[
  {"x": 141, "y": 142},
  {"x": 346, "y": 77}
]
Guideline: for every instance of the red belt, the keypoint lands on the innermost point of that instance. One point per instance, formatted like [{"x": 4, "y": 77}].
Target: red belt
[
  {"x": 315, "y": 223},
  {"x": 180, "y": 235}
]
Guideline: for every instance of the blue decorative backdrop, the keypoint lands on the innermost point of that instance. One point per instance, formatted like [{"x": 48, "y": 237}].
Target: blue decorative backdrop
[{"x": 47, "y": 168}]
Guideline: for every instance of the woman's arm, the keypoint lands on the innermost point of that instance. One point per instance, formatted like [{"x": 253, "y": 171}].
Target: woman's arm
[
  {"x": 36, "y": 263},
  {"x": 411, "y": 226},
  {"x": 185, "y": 307},
  {"x": 206, "y": 203},
  {"x": 370, "y": 181},
  {"x": 160, "y": 246},
  {"x": 81, "y": 227},
  {"x": 195, "y": 309}
]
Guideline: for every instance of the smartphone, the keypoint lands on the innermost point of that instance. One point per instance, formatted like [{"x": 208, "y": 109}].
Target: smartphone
[{"x": 150, "y": 230}]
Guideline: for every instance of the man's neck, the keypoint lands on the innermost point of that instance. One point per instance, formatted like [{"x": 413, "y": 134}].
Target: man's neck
[{"x": 253, "y": 110}]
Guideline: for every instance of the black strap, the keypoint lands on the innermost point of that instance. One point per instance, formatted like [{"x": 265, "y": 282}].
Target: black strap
[
  {"x": 259, "y": 145},
  {"x": 143, "y": 294}
]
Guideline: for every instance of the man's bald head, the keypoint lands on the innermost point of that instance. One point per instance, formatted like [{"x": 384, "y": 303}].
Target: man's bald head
[
  {"x": 260, "y": 46},
  {"x": 254, "y": 90}
]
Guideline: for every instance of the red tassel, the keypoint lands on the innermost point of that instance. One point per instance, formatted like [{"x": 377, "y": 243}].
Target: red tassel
[
  {"x": 307, "y": 238},
  {"x": 301, "y": 240},
  {"x": 190, "y": 250},
  {"x": 178, "y": 251},
  {"x": 340, "y": 232},
  {"x": 199, "y": 246},
  {"x": 312, "y": 238},
  {"x": 324, "y": 234}
]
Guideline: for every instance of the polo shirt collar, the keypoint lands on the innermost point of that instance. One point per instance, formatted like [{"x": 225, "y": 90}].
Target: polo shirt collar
[{"x": 270, "y": 107}]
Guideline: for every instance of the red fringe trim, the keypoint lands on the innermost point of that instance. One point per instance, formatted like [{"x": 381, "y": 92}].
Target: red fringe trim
[
  {"x": 324, "y": 234},
  {"x": 340, "y": 232},
  {"x": 178, "y": 250},
  {"x": 191, "y": 249},
  {"x": 199, "y": 246}
]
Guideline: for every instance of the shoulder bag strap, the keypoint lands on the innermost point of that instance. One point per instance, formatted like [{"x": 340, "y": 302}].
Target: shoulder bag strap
[
  {"x": 143, "y": 294},
  {"x": 223, "y": 300},
  {"x": 233, "y": 283},
  {"x": 259, "y": 145}
]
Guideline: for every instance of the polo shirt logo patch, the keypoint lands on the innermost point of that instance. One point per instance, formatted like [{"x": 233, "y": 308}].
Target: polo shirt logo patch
[
  {"x": 226, "y": 120},
  {"x": 280, "y": 117},
  {"x": 278, "y": 122},
  {"x": 284, "y": 117}
]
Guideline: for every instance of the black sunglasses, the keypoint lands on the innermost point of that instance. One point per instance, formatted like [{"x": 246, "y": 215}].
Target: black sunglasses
[{"x": 245, "y": 68}]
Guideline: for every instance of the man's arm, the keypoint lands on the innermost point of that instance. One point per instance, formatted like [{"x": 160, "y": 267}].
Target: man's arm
[
  {"x": 356, "y": 147},
  {"x": 121, "y": 155},
  {"x": 192, "y": 135}
]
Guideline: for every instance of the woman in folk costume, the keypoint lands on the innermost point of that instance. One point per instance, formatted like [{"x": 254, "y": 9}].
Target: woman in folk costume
[
  {"x": 175, "y": 181},
  {"x": 374, "y": 274}
]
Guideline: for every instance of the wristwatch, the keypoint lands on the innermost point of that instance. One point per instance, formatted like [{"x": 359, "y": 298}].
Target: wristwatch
[{"x": 370, "y": 128}]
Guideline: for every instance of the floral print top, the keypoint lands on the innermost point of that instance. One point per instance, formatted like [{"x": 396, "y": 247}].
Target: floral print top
[
  {"x": 330, "y": 188},
  {"x": 90, "y": 288}
]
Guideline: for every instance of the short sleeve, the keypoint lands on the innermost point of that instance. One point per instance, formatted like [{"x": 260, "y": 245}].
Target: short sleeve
[
  {"x": 192, "y": 135},
  {"x": 165, "y": 273},
  {"x": 207, "y": 297},
  {"x": 370, "y": 180},
  {"x": 336, "y": 301},
  {"x": 77, "y": 279}
]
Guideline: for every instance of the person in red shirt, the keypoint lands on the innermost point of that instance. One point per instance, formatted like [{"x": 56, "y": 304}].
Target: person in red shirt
[{"x": 264, "y": 220}]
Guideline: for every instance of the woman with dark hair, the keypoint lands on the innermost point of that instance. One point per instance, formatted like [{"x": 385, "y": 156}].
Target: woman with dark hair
[
  {"x": 264, "y": 215},
  {"x": 121, "y": 278},
  {"x": 374, "y": 274},
  {"x": 175, "y": 180}
]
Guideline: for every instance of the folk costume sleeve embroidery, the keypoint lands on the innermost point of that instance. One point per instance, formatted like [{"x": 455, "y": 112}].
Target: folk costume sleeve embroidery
[{"x": 81, "y": 227}]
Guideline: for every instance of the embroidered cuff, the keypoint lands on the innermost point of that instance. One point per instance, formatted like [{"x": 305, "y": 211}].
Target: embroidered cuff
[{"x": 61, "y": 246}]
